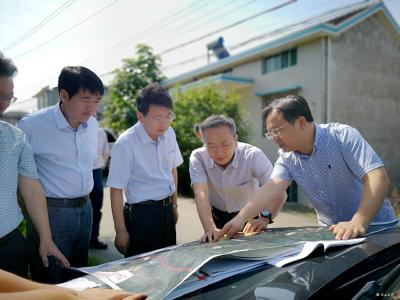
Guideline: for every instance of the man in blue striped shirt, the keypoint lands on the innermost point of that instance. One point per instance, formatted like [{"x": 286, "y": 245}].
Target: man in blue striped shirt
[{"x": 337, "y": 169}]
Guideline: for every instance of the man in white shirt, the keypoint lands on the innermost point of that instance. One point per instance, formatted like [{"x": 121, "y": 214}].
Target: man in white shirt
[
  {"x": 97, "y": 194},
  {"x": 143, "y": 165},
  {"x": 225, "y": 174},
  {"x": 64, "y": 143}
]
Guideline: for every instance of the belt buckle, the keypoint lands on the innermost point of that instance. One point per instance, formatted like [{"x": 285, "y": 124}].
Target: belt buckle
[
  {"x": 81, "y": 201},
  {"x": 166, "y": 201}
]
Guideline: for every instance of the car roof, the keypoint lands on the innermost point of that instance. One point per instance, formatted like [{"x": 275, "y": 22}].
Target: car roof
[{"x": 313, "y": 277}]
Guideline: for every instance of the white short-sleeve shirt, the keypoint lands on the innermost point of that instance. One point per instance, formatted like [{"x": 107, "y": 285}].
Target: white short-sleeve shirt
[
  {"x": 231, "y": 188},
  {"x": 143, "y": 167}
]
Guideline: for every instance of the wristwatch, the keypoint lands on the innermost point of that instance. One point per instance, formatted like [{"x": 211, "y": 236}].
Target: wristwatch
[{"x": 268, "y": 215}]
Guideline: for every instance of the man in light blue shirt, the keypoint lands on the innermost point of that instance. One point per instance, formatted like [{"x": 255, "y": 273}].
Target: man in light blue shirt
[
  {"x": 64, "y": 143},
  {"x": 336, "y": 168},
  {"x": 143, "y": 165},
  {"x": 17, "y": 169}
]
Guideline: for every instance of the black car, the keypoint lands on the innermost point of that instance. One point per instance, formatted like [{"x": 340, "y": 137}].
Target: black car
[
  {"x": 111, "y": 139},
  {"x": 365, "y": 271}
]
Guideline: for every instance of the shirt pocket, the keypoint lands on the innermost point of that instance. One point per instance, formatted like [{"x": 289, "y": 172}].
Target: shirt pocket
[{"x": 169, "y": 159}]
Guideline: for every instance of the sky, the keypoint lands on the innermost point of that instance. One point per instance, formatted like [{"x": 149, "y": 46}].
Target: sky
[{"x": 42, "y": 36}]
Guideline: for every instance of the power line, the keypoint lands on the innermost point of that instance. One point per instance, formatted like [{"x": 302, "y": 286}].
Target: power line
[
  {"x": 227, "y": 27},
  {"x": 266, "y": 35},
  {"x": 233, "y": 47},
  {"x": 118, "y": 45},
  {"x": 177, "y": 33},
  {"x": 54, "y": 14},
  {"x": 235, "y": 24},
  {"x": 67, "y": 30}
]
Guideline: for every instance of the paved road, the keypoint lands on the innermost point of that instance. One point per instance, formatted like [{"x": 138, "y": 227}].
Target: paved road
[{"x": 188, "y": 228}]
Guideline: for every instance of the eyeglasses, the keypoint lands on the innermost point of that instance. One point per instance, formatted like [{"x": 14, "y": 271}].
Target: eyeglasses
[
  {"x": 8, "y": 98},
  {"x": 274, "y": 132},
  {"x": 159, "y": 119}
]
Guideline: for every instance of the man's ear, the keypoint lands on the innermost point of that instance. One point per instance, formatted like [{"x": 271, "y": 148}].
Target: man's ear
[
  {"x": 302, "y": 122},
  {"x": 236, "y": 138},
  {"x": 64, "y": 95},
  {"x": 139, "y": 116}
]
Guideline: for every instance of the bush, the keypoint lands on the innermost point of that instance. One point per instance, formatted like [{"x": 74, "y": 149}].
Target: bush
[{"x": 193, "y": 106}]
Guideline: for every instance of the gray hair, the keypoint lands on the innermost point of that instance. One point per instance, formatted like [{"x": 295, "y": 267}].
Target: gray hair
[{"x": 214, "y": 121}]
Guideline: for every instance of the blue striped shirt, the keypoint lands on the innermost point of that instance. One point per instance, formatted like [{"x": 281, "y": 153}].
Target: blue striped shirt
[
  {"x": 331, "y": 177},
  {"x": 16, "y": 158}
]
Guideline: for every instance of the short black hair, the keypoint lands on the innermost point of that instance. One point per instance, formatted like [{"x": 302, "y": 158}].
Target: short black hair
[
  {"x": 153, "y": 94},
  {"x": 74, "y": 78},
  {"x": 291, "y": 107},
  {"x": 214, "y": 121},
  {"x": 7, "y": 67}
]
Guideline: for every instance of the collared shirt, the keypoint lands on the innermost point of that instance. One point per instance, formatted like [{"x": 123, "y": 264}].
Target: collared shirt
[
  {"x": 102, "y": 149},
  {"x": 64, "y": 156},
  {"x": 230, "y": 189},
  {"x": 143, "y": 167},
  {"x": 16, "y": 158},
  {"x": 331, "y": 177}
]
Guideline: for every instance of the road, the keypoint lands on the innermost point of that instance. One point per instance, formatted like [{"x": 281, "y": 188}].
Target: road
[{"x": 188, "y": 228}]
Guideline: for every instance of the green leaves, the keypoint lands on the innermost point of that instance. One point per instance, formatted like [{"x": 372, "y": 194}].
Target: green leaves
[
  {"x": 194, "y": 105},
  {"x": 135, "y": 74}
]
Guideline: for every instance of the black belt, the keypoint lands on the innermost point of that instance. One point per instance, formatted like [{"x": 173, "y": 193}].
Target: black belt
[
  {"x": 164, "y": 202},
  {"x": 67, "y": 202},
  {"x": 8, "y": 236}
]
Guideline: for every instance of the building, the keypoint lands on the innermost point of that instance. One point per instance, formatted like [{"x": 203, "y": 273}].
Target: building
[
  {"x": 346, "y": 64},
  {"x": 47, "y": 97},
  {"x": 44, "y": 98}
]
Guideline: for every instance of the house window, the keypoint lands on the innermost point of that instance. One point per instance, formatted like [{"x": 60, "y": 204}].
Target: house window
[{"x": 279, "y": 61}]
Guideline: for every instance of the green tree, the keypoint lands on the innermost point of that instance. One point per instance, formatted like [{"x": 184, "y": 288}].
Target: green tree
[
  {"x": 135, "y": 74},
  {"x": 193, "y": 106}
]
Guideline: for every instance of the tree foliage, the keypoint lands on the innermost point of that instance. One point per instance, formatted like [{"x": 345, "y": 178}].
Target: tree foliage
[
  {"x": 135, "y": 74},
  {"x": 194, "y": 105}
]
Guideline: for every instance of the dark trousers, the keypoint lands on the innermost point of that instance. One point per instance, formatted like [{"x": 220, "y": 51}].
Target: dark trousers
[
  {"x": 222, "y": 217},
  {"x": 96, "y": 198},
  {"x": 150, "y": 227},
  {"x": 70, "y": 230},
  {"x": 13, "y": 253}
]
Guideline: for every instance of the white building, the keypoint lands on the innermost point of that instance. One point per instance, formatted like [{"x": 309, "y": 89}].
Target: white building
[{"x": 347, "y": 65}]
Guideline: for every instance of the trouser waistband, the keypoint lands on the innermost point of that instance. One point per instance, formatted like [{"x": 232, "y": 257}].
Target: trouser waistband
[
  {"x": 8, "y": 236},
  {"x": 164, "y": 202},
  {"x": 67, "y": 202}
]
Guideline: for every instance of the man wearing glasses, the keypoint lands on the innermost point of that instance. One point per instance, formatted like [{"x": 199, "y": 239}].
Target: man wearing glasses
[
  {"x": 337, "y": 169},
  {"x": 17, "y": 169},
  {"x": 143, "y": 165},
  {"x": 225, "y": 174}
]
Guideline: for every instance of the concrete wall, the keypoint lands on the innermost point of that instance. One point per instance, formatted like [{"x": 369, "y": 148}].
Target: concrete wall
[
  {"x": 309, "y": 73},
  {"x": 364, "y": 88}
]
